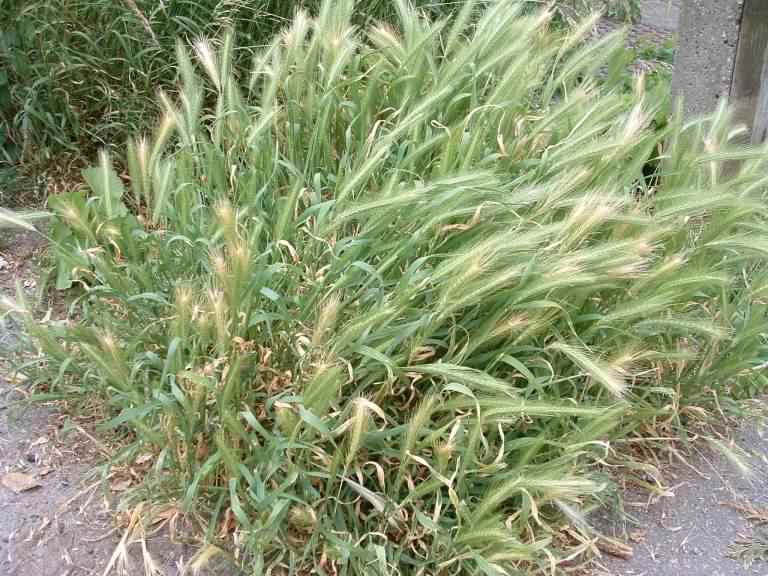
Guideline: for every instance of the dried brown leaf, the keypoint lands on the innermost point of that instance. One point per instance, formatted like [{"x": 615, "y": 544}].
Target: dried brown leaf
[
  {"x": 39, "y": 441},
  {"x": 19, "y": 482},
  {"x": 144, "y": 458},
  {"x": 120, "y": 484}
]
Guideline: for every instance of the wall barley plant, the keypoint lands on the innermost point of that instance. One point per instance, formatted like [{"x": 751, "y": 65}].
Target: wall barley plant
[{"x": 384, "y": 300}]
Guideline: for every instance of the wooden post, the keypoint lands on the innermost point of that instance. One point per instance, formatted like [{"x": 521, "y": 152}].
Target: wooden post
[
  {"x": 749, "y": 93},
  {"x": 760, "y": 122}
]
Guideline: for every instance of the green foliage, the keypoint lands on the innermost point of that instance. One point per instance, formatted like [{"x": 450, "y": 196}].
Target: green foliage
[
  {"x": 16, "y": 43},
  {"x": 663, "y": 53},
  {"x": 628, "y": 10},
  {"x": 76, "y": 75},
  {"x": 380, "y": 305}
]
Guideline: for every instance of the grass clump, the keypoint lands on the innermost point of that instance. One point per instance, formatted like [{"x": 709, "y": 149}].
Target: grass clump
[{"x": 379, "y": 304}]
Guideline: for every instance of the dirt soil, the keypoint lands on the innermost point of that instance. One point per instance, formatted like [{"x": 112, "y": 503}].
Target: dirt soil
[
  {"x": 57, "y": 526},
  {"x": 693, "y": 528},
  {"x": 61, "y": 526}
]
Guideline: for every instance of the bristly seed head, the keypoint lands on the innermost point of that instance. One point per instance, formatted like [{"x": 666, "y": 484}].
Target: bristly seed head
[
  {"x": 241, "y": 255},
  {"x": 225, "y": 214},
  {"x": 108, "y": 341},
  {"x": 219, "y": 264},
  {"x": 444, "y": 451},
  {"x": 326, "y": 319},
  {"x": 302, "y": 518}
]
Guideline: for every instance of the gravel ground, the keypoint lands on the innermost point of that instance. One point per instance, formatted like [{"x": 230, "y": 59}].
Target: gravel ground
[
  {"x": 691, "y": 529},
  {"x": 657, "y": 25}
]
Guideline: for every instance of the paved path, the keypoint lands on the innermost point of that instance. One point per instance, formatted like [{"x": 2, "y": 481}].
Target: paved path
[{"x": 692, "y": 529}]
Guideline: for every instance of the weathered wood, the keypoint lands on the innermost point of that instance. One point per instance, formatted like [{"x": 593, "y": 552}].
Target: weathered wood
[
  {"x": 750, "y": 105},
  {"x": 760, "y": 122}
]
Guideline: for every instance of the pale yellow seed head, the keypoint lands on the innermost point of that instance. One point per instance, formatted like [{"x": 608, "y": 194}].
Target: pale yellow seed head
[
  {"x": 444, "y": 451},
  {"x": 167, "y": 124},
  {"x": 225, "y": 214},
  {"x": 207, "y": 58},
  {"x": 628, "y": 270},
  {"x": 218, "y": 263},
  {"x": 511, "y": 325},
  {"x": 184, "y": 295},
  {"x": 623, "y": 362},
  {"x": 108, "y": 342},
  {"x": 565, "y": 271},
  {"x": 326, "y": 319},
  {"x": 70, "y": 214},
  {"x": 216, "y": 299},
  {"x": 302, "y": 518},
  {"x": 644, "y": 247},
  {"x": 286, "y": 418},
  {"x": 203, "y": 323},
  {"x": 241, "y": 254}
]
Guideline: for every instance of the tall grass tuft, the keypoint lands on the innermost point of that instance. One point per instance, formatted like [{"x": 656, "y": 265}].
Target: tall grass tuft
[{"x": 380, "y": 304}]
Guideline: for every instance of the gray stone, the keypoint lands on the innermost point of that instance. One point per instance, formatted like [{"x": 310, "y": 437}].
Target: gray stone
[
  {"x": 660, "y": 14},
  {"x": 706, "y": 56}
]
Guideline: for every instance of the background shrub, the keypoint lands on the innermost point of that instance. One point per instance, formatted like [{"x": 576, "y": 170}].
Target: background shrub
[{"x": 76, "y": 75}]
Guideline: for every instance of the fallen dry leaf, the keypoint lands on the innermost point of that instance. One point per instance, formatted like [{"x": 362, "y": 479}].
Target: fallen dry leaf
[
  {"x": 17, "y": 378},
  {"x": 614, "y": 548},
  {"x": 227, "y": 525},
  {"x": 144, "y": 458},
  {"x": 39, "y": 441},
  {"x": 20, "y": 482},
  {"x": 120, "y": 485}
]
